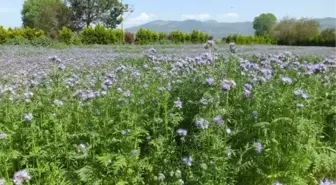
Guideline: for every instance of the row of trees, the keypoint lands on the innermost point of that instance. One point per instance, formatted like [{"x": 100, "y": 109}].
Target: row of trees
[
  {"x": 99, "y": 35},
  {"x": 291, "y": 31},
  {"x": 51, "y": 15},
  {"x": 247, "y": 40}
]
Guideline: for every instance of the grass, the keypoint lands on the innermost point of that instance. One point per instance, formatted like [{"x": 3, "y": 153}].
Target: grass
[{"x": 118, "y": 122}]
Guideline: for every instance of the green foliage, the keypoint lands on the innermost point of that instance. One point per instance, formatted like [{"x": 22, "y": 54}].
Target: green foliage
[
  {"x": 32, "y": 33},
  {"x": 65, "y": 35},
  {"x": 263, "y": 24},
  {"x": 101, "y": 35},
  {"x": 247, "y": 40},
  {"x": 177, "y": 37},
  {"x": 106, "y": 12},
  {"x": 42, "y": 41},
  {"x": 290, "y": 31},
  {"x": 76, "y": 39},
  {"x": 88, "y": 36},
  {"x": 3, "y": 35},
  {"x": 16, "y": 32},
  {"x": 47, "y": 15},
  {"x": 143, "y": 36},
  {"x": 18, "y": 40},
  {"x": 118, "y": 139}
]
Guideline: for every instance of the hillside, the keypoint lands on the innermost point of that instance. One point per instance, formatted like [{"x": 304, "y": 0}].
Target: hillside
[{"x": 217, "y": 29}]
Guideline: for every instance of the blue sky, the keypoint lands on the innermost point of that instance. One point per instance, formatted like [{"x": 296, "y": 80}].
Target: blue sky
[{"x": 220, "y": 10}]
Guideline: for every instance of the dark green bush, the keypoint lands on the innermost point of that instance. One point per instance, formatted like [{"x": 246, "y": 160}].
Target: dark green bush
[
  {"x": 18, "y": 40},
  {"x": 3, "y": 35},
  {"x": 247, "y": 40},
  {"x": 163, "y": 36},
  {"x": 143, "y": 36},
  {"x": 32, "y": 33},
  {"x": 65, "y": 35},
  {"x": 41, "y": 41},
  {"x": 76, "y": 39},
  {"x": 119, "y": 34},
  {"x": 88, "y": 36},
  {"x": 176, "y": 37}
]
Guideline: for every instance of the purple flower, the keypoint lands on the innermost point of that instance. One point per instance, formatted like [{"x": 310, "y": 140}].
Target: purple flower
[
  {"x": 202, "y": 123},
  {"x": 204, "y": 101},
  {"x": 58, "y": 102},
  {"x": 61, "y": 66},
  {"x": 227, "y": 85},
  {"x": 248, "y": 87},
  {"x": 151, "y": 51},
  {"x": 125, "y": 131},
  {"x": 20, "y": 177},
  {"x": 286, "y": 80},
  {"x": 247, "y": 93},
  {"x": 28, "y": 117},
  {"x": 302, "y": 93},
  {"x": 134, "y": 152},
  {"x": 187, "y": 160},
  {"x": 219, "y": 120},
  {"x": 2, "y": 181},
  {"x": 178, "y": 103},
  {"x": 327, "y": 182},
  {"x": 254, "y": 115},
  {"x": 277, "y": 183},
  {"x": 299, "y": 105},
  {"x": 258, "y": 147},
  {"x": 127, "y": 93},
  {"x": 3, "y": 136},
  {"x": 81, "y": 147},
  {"x": 182, "y": 132},
  {"x": 210, "y": 81}
]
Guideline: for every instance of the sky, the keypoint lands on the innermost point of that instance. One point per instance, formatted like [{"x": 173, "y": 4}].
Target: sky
[{"x": 220, "y": 10}]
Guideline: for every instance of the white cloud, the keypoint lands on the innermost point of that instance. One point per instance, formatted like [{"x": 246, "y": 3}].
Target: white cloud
[
  {"x": 141, "y": 19},
  {"x": 217, "y": 17},
  {"x": 228, "y": 15},
  {"x": 200, "y": 17}
]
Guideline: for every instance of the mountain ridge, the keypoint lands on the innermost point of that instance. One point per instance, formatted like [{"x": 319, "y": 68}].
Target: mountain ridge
[{"x": 213, "y": 27}]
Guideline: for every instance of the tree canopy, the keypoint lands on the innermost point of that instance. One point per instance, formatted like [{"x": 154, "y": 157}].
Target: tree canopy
[
  {"x": 87, "y": 12},
  {"x": 48, "y": 15},
  {"x": 291, "y": 30},
  {"x": 264, "y": 23}
]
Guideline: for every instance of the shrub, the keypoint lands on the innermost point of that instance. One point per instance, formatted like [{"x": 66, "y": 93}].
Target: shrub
[
  {"x": 32, "y": 33},
  {"x": 76, "y": 39},
  {"x": 119, "y": 34},
  {"x": 16, "y": 32},
  {"x": 100, "y": 34},
  {"x": 3, "y": 35},
  {"x": 65, "y": 35},
  {"x": 163, "y": 36},
  {"x": 247, "y": 40},
  {"x": 18, "y": 40},
  {"x": 88, "y": 36},
  {"x": 129, "y": 37},
  {"x": 142, "y": 36},
  {"x": 111, "y": 36},
  {"x": 176, "y": 37},
  {"x": 41, "y": 41}
]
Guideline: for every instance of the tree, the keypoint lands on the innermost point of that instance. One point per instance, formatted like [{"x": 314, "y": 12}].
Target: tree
[
  {"x": 264, "y": 23},
  {"x": 87, "y": 12},
  {"x": 48, "y": 15},
  {"x": 291, "y": 31}
]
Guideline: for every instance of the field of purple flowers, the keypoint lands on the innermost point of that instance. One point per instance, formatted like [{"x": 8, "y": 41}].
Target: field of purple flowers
[{"x": 131, "y": 115}]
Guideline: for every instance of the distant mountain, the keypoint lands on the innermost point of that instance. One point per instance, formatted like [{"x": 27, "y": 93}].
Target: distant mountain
[{"x": 214, "y": 28}]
